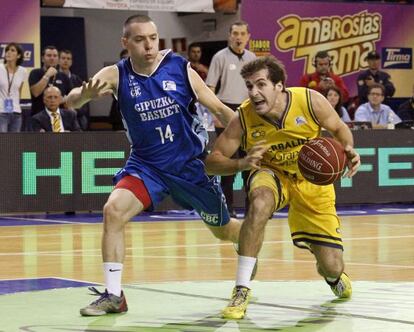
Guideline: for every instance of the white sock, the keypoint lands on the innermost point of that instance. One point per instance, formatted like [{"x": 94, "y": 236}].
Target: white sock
[
  {"x": 244, "y": 270},
  {"x": 113, "y": 276}
]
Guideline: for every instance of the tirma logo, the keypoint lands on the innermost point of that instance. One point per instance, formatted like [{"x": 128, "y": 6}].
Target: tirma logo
[
  {"x": 397, "y": 57},
  {"x": 28, "y": 53}
]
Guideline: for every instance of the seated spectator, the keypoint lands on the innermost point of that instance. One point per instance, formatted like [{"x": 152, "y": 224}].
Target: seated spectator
[
  {"x": 374, "y": 75},
  {"x": 65, "y": 65},
  {"x": 333, "y": 94},
  {"x": 41, "y": 78},
  {"x": 323, "y": 77},
  {"x": 12, "y": 78},
  {"x": 380, "y": 115},
  {"x": 406, "y": 109},
  {"x": 52, "y": 118}
]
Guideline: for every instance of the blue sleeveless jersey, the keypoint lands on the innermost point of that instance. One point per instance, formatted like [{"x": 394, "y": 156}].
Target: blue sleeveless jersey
[
  {"x": 167, "y": 138},
  {"x": 159, "y": 114}
]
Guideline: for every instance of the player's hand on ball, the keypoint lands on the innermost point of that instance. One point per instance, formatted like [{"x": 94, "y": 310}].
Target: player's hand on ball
[
  {"x": 354, "y": 161},
  {"x": 254, "y": 156}
]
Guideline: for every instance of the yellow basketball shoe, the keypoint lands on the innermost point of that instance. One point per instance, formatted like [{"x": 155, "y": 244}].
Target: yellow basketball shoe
[
  {"x": 236, "y": 309},
  {"x": 343, "y": 288}
]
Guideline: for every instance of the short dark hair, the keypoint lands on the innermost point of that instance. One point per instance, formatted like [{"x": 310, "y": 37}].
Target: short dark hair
[
  {"x": 48, "y": 47},
  {"x": 65, "y": 51},
  {"x": 19, "y": 50},
  {"x": 276, "y": 69},
  {"x": 193, "y": 45},
  {"x": 135, "y": 19},
  {"x": 239, "y": 23},
  {"x": 376, "y": 86},
  {"x": 322, "y": 55}
]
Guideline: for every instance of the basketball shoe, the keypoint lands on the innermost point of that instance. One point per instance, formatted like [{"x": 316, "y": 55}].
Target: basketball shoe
[
  {"x": 107, "y": 303},
  {"x": 253, "y": 275},
  {"x": 236, "y": 309},
  {"x": 343, "y": 287}
]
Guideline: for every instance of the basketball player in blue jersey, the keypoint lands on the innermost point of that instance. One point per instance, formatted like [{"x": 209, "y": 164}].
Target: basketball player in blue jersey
[
  {"x": 156, "y": 92},
  {"x": 271, "y": 126}
]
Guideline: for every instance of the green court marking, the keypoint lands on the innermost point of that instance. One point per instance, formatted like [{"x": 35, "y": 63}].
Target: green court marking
[{"x": 195, "y": 306}]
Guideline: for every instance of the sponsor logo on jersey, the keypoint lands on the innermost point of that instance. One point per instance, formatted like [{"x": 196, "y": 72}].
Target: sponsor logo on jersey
[
  {"x": 169, "y": 86},
  {"x": 300, "y": 120},
  {"x": 258, "y": 133},
  {"x": 397, "y": 57},
  {"x": 135, "y": 90}
]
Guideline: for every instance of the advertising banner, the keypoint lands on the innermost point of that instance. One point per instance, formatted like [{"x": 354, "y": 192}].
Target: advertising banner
[
  {"x": 156, "y": 5},
  {"x": 73, "y": 171},
  {"x": 294, "y": 31},
  {"x": 20, "y": 20}
]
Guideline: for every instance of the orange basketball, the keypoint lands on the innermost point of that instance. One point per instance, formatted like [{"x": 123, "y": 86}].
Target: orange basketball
[{"x": 322, "y": 160}]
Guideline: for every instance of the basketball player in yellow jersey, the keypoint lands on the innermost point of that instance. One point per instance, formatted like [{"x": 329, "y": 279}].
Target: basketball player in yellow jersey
[{"x": 271, "y": 126}]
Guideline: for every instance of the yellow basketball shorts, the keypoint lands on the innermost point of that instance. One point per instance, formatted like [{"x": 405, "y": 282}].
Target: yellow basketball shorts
[{"x": 312, "y": 215}]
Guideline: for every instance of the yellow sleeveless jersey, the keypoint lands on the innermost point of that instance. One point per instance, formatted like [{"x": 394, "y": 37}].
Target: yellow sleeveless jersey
[{"x": 286, "y": 136}]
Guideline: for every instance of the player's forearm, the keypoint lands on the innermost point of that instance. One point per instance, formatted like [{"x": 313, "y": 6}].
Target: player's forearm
[
  {"x": 344, "y": 135},
  {"x": 218, "y": 164},
  {"x": 224, "y": 114},
  {"x": 75, "y": 99}
]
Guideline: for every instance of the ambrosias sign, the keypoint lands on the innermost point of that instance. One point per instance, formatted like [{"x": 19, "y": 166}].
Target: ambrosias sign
[{"x": 348, "y": 39}]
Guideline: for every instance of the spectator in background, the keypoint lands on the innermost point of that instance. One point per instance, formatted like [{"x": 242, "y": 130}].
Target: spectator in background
[
  {"x": 333, "y": 94},
  {"x": 12, "y": 77},
  {"x": 373, "y": 75},
  {"x": 41, "y": 78},
  {"x": 323, "y": 77},
  {"x": 406, "y": 109},
  {"x": 225, "y": 68},
  {"x": 380, "y": 115},
  {"x": 52, "y": 118},
  {"x": 65, "y": 63},
  {"x": 115, "y": 117},
  {"x": 194, "y": 57}
]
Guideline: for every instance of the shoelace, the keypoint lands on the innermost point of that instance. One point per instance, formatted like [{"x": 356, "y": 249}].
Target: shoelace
[
  {"x": 340, "y": 287},
  {"x": 239, "y": 297},
  {"x": 95, "y": 292}
]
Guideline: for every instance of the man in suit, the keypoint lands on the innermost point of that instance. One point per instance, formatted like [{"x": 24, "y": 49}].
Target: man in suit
[{"x": 52, "y": 118}]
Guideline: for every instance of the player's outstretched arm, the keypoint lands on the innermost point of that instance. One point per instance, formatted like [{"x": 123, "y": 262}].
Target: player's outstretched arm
[
  {"x": 103, "y": 83},
  {"x": 331, "y": 121},
  {"x": 209, "y": 99}
]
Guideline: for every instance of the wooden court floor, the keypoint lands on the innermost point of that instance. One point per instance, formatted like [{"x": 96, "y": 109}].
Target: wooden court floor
[{"x": 379, "y": 250}]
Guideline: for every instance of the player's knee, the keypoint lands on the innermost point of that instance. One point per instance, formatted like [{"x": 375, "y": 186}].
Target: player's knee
[
  {"x": 113, "y": 215},
  {"x": 261, "y": 202},
  {"x": 221, "y": 233}
]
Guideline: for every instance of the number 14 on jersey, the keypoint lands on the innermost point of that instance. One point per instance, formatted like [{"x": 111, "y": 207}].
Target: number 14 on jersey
[{"x": 165, "y": 135}]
